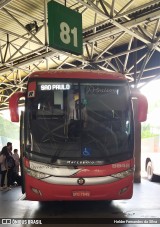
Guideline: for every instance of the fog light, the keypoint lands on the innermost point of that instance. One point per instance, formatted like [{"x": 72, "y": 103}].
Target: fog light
[
  {"x": 36, "y": 191},
  {"x": 123, "y": 190}
]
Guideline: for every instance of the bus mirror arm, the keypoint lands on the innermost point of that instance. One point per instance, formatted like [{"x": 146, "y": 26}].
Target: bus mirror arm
[{"x": 13, "y": 105}]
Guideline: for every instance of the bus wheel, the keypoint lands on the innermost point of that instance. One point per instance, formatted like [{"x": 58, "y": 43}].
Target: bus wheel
[{"x": 150, "y": 174}]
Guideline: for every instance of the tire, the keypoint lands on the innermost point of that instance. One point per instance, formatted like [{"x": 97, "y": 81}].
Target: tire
[{"x": 150, "y": 175}]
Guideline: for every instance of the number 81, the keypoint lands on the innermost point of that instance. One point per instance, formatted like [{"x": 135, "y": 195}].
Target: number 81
[{"x": 66, "y": 32}]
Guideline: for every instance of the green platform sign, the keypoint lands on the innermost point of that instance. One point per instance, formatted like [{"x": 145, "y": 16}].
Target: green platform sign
[{"x": 65, "y": 28}]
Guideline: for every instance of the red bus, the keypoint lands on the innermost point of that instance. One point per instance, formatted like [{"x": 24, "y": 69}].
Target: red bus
[{"x": 77, "y": 135}]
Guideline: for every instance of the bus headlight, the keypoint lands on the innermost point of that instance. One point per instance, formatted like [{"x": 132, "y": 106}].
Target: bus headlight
[
  {"x": 37, "y": 174},
  {"x": 123, "y": 174}
]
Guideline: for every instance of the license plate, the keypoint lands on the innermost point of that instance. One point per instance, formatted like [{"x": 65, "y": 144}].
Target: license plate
[{"x": 80, "y": 193}]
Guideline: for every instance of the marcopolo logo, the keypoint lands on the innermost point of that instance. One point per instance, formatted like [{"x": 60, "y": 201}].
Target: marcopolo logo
[{"x": 80, "y": 181}]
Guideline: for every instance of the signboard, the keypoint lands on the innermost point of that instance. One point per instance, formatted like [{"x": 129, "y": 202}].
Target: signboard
[{"x": 65, "y": 28}]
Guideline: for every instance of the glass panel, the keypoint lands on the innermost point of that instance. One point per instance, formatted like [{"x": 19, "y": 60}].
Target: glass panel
[{"x": 85, "y": 121}]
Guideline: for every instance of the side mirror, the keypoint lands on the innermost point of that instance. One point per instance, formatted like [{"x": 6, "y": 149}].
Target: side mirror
[
  {"x": 13, "y": 105},
  {"x": 142, "y": 106}
]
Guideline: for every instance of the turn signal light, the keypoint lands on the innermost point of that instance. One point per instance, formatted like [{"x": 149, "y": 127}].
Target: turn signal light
[
  {"x": 36, "y": 191},
  {"x": 123, "y": 190},
  {"x": 26, "y": 163}
]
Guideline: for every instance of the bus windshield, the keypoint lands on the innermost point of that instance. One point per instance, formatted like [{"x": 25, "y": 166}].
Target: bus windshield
[{"x": 80, "y": 120}]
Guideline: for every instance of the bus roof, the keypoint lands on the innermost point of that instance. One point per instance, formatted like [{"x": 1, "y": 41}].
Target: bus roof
[{"x": 78, "y": 74}]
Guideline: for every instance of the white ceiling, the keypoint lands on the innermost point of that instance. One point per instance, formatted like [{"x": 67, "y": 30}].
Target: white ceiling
[{"x": 118, "y": 36}]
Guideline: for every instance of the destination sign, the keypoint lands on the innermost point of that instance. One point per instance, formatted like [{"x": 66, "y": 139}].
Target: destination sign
[{"x": 50, "y": 87}]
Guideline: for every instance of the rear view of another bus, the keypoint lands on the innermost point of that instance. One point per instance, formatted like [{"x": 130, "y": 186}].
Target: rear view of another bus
[{"x": 78, "y": 136}]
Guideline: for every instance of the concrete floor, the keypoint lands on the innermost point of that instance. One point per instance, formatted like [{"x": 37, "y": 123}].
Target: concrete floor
[{"x": 144, "y": 204}]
